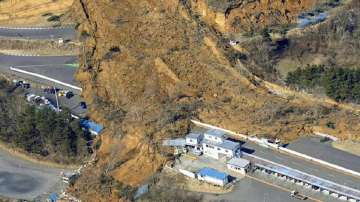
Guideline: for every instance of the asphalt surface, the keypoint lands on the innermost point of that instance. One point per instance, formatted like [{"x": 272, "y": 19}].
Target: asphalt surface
[
  {"x": 248, "y": 190},
  {"x": 73, "y": 103},
  {"x": 61, "y": 73},
  {"x": 39, "y": 33},
  {"x": 52, "y": 66},
  {"x": 313, "y": 147},
  {"x": 302, "y": 165},
  {"x": 9, "y": 60},
  {"x": 22, "y": 179}
]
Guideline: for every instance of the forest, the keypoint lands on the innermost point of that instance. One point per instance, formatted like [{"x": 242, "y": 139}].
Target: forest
[{"x": 340, "y": 84}]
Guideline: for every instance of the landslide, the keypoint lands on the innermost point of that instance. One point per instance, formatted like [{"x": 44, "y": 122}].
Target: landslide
[
  {"x": 151, "y": 65},
  {"x": 234, "y": 16}
]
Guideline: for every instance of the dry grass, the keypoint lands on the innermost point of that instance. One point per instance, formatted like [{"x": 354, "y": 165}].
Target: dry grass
[
  {"x": 29, "y": 12},
  {"x": 37, "y": 47},
  {"x": 348, "y": 146}
]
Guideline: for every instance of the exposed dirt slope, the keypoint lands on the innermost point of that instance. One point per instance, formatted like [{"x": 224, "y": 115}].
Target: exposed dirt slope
[
  {"x": 151, "y": 65},
  {"x": 249, "y": 15},
  {"x": 30, "y": 12}
]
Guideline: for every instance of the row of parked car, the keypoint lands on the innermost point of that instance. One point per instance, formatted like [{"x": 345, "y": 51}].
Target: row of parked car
[
  {"x": 61, "y": 93},
  {"x": 41, "y": 100}
]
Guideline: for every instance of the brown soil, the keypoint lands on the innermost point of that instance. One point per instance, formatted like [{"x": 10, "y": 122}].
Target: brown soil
[{"x": 172, "y": 67}]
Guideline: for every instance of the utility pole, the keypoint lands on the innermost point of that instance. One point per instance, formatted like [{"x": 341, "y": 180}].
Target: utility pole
[{"x": 57, "y": 100}]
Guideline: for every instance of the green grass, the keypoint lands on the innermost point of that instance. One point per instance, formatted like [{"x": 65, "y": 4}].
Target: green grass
[{"x": 74, "y": 65}]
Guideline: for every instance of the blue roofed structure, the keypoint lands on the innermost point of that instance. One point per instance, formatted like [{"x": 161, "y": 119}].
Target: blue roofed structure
[
  {"x": 93, "y": 127},
  {"x": 53, "y": 197},
  {"x": 213, "y": 176}
]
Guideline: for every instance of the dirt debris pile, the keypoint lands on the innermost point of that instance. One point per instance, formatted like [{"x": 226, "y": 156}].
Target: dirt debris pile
[{"x": 151, "y": 65}]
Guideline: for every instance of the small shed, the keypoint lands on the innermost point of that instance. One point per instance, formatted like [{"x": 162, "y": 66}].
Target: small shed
[
  {"x": 53, "y": 197},
  {"x": 194, "y": 139},
  {"x": 213, "y": 176},
  {"x": 239, "y": 165},
  {"x": 93, "y": 127}
]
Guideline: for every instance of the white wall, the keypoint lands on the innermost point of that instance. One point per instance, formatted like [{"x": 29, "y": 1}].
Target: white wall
[{"x": 213, "y": 180}]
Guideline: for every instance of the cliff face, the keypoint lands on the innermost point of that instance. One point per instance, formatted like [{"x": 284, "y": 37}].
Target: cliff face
[{"x": 151, "y": 65}]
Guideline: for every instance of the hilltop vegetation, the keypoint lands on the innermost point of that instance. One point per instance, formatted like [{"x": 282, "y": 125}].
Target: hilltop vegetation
[
  {"x": 339, "y": 83},
  {"x": 49, "y": 135}
]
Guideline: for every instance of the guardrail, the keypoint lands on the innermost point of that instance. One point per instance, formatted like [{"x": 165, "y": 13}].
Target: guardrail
[
  {"x": 46, "y": 78},
  {"x": 274, "y": 146}
]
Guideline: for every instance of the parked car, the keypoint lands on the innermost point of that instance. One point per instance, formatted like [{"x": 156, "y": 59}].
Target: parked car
[
  {"x": 69, "y": 95},
  {"x": 49, "y": 90},
  {"x": 26, "y": 85},
  {"x": 83, "y": 105}
]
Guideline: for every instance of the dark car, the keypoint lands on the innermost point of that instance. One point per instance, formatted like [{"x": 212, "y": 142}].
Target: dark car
[
  {"x": 83, "y": 105},
  {"x": 26, "y": 85},
  {"x": 69, "y": 95}
]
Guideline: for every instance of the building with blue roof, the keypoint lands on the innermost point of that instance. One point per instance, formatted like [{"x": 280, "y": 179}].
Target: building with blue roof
[
  {"x": 213, "y": 176},
  {"x": 53, "y": 197},
  {"x": 91, "y": 126}
]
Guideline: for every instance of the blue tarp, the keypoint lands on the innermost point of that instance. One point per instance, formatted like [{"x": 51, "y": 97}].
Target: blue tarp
[
  {"x": 53, "y": 197},
  {"x": 91, "y": 126},
  {"x": 212, "y": 173}
]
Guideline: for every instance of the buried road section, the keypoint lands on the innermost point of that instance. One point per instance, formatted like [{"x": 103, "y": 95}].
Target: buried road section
[{"x": 21, "y": 179}]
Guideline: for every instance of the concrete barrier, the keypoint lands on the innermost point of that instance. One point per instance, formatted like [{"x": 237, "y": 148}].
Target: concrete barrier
[
  {"x": 46, "y": 78},
  {"x": 187, "y": 173}
]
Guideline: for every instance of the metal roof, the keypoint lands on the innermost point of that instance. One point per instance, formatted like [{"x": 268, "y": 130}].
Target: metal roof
[
  {"x": 92, "y": 126},
  {"x": 194, "y": 135},
  {"x": 226, "y": 144},
  {"x": 212, "y": 173},
  {"x": 239, "y": 162},
  {"x": 53, "y": 197},
  {"x": 214, "y": 132},
  {"x": 179, "y": 142},
  {"x": 310, "y": 179}
]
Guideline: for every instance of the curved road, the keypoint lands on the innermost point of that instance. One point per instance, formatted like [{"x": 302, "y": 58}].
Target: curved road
[
  {"x": 39, "y": 33},
  {"x": 22, "y": 179}
]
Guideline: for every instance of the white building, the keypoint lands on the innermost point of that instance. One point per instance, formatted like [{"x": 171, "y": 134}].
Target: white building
[
  {"x": 215, "y": 145},
  {"x": 194, "y": 139},
  {"x": 239, "y": 165}
]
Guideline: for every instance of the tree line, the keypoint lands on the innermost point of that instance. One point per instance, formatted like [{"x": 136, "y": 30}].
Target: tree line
[
  {"x": 40, "y": 131},
  {"x": 340, "y": 84}
]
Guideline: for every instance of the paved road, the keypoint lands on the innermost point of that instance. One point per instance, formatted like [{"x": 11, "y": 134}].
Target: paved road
[
  {"x": 39, "y": 33},
  {"x": 7, "y": 60},
  {"x": 302, "y": 165},
  {"x": 63, "y": 73},
  {"x": 22, "y": 179},
  {"x": 41, "y": 64},
  {"x": 314, "y": 148},
  {"x": 248, "y": 190}
]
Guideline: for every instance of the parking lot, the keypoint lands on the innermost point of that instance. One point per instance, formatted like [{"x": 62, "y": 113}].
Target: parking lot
[{"x": 313, "y": 147}]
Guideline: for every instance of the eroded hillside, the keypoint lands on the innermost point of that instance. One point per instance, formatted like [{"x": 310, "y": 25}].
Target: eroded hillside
[
  {"x": 30, "y": 12},
  {"x": 151, "y": 65},
  {"x": 248, "y": 15}
]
